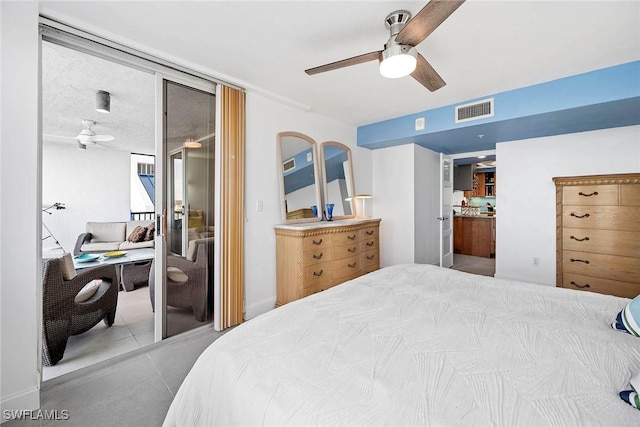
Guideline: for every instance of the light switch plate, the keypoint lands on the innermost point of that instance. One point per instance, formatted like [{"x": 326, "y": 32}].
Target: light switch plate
[{"x": 420, "y": 123}]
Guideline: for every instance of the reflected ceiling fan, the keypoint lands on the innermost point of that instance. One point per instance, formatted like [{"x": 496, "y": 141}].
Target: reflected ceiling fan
[
  {"x": 87, "y": 136},
  {"x": 399, "y": 57}
]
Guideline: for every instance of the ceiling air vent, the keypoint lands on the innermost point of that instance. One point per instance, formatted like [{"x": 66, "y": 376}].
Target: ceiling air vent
[
  {"x": 289, "y": 164},
  {"x": 474, "y": 111}
]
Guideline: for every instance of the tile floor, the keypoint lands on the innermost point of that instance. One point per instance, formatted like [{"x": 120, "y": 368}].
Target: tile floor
[
  {"x": 131, "y": 390},
  {"x": 474, "y": 264},
  {"x": 132, "y": 330}
]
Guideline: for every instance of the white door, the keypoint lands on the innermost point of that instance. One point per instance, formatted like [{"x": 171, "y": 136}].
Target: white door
[{"x": 446, "y": 211}]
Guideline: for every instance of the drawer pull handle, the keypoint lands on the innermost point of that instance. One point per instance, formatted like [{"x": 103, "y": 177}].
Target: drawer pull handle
[
  {"x": 351, "y": 265},
  {"x": 317, "y": 242},
  {"x": 580, "y": 216},
  {"x": 351, "y": 237},
  {"x": 352, "y": 250},
  {"x": 370, "y": 257},
  {"x": 595, "y": 193},
  {"x": 315, "y": 273},
  {"x": 586, "y": 285},
  {"x": 579, "y": 240},
  {"x": 370, "y": 243},
  {"x": 579, "y": 260},
  {"x": 370, "y": 232},
  {"x": 317, "y": 256}
]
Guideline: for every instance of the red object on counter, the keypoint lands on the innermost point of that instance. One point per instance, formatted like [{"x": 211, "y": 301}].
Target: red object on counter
[{"x": 464, "y": 203}]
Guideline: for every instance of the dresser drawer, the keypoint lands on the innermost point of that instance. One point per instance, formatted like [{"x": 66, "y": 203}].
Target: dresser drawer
[
  {"x": 346, "y": 268},
  {"x": 368, "y": 244},
  {"x": 317, "y": 274},
  {"x": 369, "y": 233},
  {"x": 317, "y": 255},
  {"x": 622, "y": 268},
  {"x": 313, "y": 243},
  {"x": 345, "y": 251},
  {"x": 370, "y": 261},
  {"x": 630, "y": 195},
  {"x": 614, "y": 242},
  {"x": 602, "y": 286},
  {"x": 345, "y": 237},
  {"x": 602, "y": 217},
  {"x": 591, "y": 195}
]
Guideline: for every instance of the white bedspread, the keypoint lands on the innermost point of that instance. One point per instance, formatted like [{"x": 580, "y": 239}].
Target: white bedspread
[{"x": 419, "y": 345}]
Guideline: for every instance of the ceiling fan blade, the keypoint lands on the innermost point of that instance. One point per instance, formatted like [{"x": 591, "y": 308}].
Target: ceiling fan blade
[
  {"x": 103, "y": 138},
  {"x": 426, "y": 75},
  {"x": 345, "y": 63},
  {"x": 427, "y": 20}
]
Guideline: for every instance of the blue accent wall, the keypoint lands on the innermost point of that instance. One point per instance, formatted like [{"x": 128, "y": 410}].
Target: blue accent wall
[
  {"x": 595, "y": 100},
  {"x": 302, "y": 175}
]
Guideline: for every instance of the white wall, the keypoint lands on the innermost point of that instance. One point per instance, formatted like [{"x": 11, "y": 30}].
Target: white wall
[
  {"x": 393, "y": 197},
  {"x": 526, "y": 225},
  {"x": 94, "y": 184},
  {"x": 19, "y": 208},
  {"x": 265, "y": 119},
  {"x": 406, "y": 195}
]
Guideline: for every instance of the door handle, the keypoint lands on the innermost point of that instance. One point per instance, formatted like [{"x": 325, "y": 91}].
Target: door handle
[{"x": 442, "y": 218}]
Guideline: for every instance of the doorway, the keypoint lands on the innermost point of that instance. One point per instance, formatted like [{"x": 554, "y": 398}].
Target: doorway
[
  {"x": 91, "y": 179},
  {"x": 189, "y": 144}
]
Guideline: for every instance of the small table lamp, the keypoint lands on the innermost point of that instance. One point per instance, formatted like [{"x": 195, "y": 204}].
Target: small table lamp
[{"x": 362, "y": 213}]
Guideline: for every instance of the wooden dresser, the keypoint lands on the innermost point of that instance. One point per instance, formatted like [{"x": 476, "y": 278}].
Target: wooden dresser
[
  {"x": 315, "y": 256},
  {"x": 598, "y": 233}
]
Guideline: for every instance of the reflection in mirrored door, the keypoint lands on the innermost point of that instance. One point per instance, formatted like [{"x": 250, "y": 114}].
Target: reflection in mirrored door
[{"x": 189, "y": 149}]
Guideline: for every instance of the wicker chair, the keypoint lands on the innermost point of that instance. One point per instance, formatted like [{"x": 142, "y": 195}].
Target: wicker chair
[
  {"x": 62, "y": 316},
  {"x": 194, "y": 293}
]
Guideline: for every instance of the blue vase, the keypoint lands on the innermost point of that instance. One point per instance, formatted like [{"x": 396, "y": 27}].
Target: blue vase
[
  {"x": 329, "y": 211},
  {"x": 314, "y": 208}
]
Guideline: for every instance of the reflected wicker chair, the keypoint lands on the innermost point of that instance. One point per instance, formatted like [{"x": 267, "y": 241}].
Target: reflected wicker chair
[
  {"x": 62, "y": 316},
  {"x": 194, "y": 293}
]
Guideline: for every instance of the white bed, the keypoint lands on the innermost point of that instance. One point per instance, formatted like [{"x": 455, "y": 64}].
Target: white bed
[{"x": 419, "y": 345}]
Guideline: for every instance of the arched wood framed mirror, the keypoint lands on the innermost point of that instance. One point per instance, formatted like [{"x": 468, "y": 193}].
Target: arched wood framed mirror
[
  {"x": 299, "y": 178},
  {"x": 337, "y": 172}
]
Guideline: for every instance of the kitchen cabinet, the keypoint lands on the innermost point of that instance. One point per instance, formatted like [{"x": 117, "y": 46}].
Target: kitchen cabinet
[
  {"x": 474, "y": 236},
  {"x": 484, "y": 185}
]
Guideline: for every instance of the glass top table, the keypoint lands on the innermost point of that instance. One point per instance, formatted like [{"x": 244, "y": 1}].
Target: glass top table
[{"x": 132, "y": 256}]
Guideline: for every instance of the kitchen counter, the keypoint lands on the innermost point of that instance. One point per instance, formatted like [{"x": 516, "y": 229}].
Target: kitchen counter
[{"x": 474, "y": 235}]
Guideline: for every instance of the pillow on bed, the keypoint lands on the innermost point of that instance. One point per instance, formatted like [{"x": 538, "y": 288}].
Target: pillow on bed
[
  {"x": 628, "y": 319},
  {"x": 631, "y": 396}
]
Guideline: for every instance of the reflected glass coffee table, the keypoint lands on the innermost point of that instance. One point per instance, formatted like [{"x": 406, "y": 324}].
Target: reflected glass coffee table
[{"x": 132, "y": 256}]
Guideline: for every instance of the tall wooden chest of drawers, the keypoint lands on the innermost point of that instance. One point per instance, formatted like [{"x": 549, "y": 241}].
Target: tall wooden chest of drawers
[
  {"x": 315, "y": 256},
  {"x": 598, "y": 233}
]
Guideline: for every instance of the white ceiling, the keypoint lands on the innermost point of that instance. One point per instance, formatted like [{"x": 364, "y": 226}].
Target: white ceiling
[{"x": 485, "y": 47}]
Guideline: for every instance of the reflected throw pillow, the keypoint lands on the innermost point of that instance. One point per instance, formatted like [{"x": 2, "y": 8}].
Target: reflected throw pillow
[
  {"x": 176, "y": 275},
  {"x": 628, "y": 320}
]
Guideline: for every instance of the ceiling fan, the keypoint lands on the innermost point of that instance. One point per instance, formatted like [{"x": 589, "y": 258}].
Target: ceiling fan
[
  {"x": 87, "y": 136},
  {"x": 399, "y": 57}
]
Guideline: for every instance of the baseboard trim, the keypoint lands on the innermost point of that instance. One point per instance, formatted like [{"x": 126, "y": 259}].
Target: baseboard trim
[
  {"x": 259, "y": 308},
  {"x": 28, "y": 400}
]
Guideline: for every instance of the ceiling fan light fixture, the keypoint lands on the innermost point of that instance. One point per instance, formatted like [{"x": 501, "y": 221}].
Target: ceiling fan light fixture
[
  {"x": 190, "y": 143},
  {"x": 398, "y": 61},
  {"x": 103, "y": 101}
]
